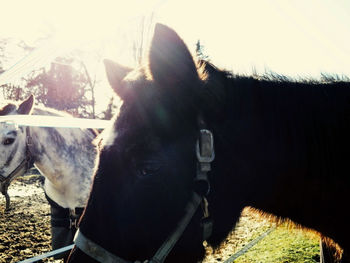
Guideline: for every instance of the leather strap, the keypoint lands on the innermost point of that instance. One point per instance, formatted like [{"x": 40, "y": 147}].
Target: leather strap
[{"x": 94, "y": 250}]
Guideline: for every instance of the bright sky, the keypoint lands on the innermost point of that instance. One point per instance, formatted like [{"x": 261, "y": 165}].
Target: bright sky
[{"x": 295, "y": 37}]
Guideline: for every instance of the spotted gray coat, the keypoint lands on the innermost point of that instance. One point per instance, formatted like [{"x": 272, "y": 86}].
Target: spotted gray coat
[{"x": 67, "y": 157}]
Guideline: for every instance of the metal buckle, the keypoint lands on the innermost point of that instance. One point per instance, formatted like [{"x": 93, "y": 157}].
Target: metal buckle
[
  {"x": 206, "y": 222},
  {"x": 29, "y": 141},
  {"x": 205, "y": 147},
  {"x": 205, "y": 155},
  {"x": 73, "y": 223},
  {"x": 205, "y": 206},
  {"x": 73, "y": 219},
  {"x": 207, "y": 227}
]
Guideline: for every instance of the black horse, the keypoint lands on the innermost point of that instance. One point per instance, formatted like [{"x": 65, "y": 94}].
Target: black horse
[{"x": 281, "y": 146}]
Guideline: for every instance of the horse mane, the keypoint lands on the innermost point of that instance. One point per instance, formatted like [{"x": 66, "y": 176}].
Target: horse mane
[
  {"x": 205, "y": 68},
  {"x": 221, "y": 86}
]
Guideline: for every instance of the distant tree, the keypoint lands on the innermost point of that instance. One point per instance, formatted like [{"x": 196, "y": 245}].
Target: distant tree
[
  {"x": 92, "y": 84},
  {"x": 12, "y": 92},
  {"x": 90, "y": 70},
  {"x": 110, "y": 110},
  {"x": 200, "y": 51},
  {"x": 10, "y": 49},
  {"x": 2, "y": 49},
  {"x": 142, "y": 36},
  {"x": 65, "y": 85},
  {"x": 2, "y": 54},
  {"x": 62, "y": 87},
  {"x": 9, "y": 90}
]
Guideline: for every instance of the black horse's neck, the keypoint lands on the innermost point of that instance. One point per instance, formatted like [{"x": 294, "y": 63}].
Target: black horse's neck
[{"x": 286, "y": 144}]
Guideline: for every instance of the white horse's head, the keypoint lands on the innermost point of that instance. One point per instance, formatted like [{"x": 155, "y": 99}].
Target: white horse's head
[{"x": 13, "y": 140}]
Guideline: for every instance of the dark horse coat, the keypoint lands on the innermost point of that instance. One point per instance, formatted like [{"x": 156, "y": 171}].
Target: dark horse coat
[{"x": 281, "y": 146}]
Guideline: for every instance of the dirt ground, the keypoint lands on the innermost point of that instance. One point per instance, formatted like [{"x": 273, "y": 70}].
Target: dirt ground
[{"x": 25, "y": 229}]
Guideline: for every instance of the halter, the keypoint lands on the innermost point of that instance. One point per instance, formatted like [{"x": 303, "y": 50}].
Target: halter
[
  {"x": 24, "y": 165},
  {"x": 205, "y": 155}
]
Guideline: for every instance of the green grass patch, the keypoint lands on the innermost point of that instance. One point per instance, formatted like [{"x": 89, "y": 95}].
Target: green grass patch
[{"x": 284, "y": 245}]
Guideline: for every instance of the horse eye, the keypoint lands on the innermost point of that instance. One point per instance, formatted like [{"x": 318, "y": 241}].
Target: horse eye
[
  {"x": 149, "y": 169},
  {"x": 8, "y": 141},
  {"x": 144, "y": 172}
]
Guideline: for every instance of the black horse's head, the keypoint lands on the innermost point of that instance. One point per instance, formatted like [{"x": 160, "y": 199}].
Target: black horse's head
[
  {"x": 273, "y": 138},
  {"x": 148, "y": 163}
]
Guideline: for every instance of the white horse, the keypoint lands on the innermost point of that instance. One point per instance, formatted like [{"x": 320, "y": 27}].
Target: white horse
[{"x": 65, "y": 156}]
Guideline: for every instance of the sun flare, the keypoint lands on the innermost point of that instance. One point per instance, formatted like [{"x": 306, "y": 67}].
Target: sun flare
[{"x": 293, "y": 38}]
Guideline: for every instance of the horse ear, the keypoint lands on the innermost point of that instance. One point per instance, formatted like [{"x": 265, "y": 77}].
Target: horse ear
[
  {"x": 115, "y": 74},
  {"x": 26, "y": 106},
  {"x": 170, "y": 61}
]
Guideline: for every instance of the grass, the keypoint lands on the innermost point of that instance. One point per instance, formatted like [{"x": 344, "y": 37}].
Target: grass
[{"x": 284, "y": 245}]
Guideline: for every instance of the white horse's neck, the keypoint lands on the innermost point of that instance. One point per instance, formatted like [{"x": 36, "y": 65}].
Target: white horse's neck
[{"x": 66, "y": 157}]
